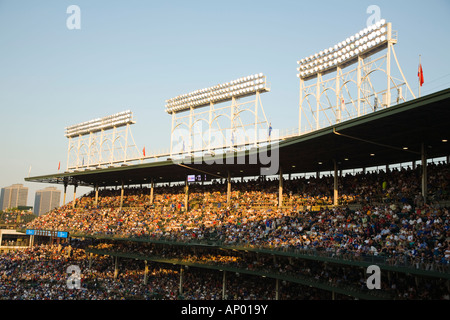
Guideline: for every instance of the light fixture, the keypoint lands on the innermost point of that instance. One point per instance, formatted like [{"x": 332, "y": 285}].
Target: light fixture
[
  {"x": 364, "y": 41},
  {"x": 219, "y": 93},
  {"x": 109, "y": 122}
]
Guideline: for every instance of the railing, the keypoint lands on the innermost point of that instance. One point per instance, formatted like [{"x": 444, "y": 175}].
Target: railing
[
  {"x": 402, "y": 263},
  {"x": 346, "y": 289},
  {"x": 398, "y": 263},
  {"x": 165, "y": 153}
]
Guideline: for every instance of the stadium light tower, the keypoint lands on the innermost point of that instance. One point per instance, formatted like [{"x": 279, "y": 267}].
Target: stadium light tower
[
  {"x": 349, "y": 79},
  {"x": 101, "y": 141},
  {"x": 233, "y": 126}
]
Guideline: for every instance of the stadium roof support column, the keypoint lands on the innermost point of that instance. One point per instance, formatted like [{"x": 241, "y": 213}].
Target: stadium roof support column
[
  {"x": 65, "y": 192},
  {"x": 186, "y": 196},
  {"x": 121, "y": 195},
  {"x": 277, "y": 289},
  {"x": 181, "y": 280},
  {"x": 335, "y": 191},
  {"x": 96, "y": 195},
  {"x": 116, "y": 267},
  {"x": 228, "y": 188},
  {"x": 90, "y": 260},
  {"x": 280, "y": 189},
  {"x": 152, "y": 185},
  {"x": 424, "y": 173},
  {"x": 224, "y": 281},
  {"x": 145, "y": 272},
  {"x": 74, "y": 195}
]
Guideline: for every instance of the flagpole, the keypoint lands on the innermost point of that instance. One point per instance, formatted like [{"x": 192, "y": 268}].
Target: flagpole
[{"x": 419, "y": 73}]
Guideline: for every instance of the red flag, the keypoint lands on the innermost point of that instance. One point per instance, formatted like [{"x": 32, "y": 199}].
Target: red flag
[
  {"x": 143, "y": 151},
  {"x": 59, "y": 165},
  {"x": 420, "y": 74}
]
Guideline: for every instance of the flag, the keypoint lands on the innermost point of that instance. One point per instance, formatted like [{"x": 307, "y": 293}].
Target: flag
[
  {"x": 59, "y": 165},
  {"x": 420, "y": 75},
  {"x": 143, "y": 151},
  {"x": 270, "y": 129}
]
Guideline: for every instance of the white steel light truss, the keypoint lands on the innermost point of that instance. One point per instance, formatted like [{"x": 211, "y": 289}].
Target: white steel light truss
[
  {"x": 228, "y": 126},
  {"x": 101, "y": 142},
  {"x": 340, "y": 92},
  {"x": 241, "y": 87}
]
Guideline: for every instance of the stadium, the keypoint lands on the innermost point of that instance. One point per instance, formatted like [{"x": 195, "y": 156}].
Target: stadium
[
  {"x": 129, "y": 231},
  {"x": 352, "y": 206}
]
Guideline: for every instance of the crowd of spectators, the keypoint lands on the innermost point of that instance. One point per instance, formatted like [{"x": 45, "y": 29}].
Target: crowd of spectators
[
  {"x": 389, "y": 220},
  {"x": 40, "y": 273},
  {"x": 16, "y": 218},
  {"x": 396, "y": 185},
  {"x": 393, "y": 285},
  {"x": 402, "y": 231}
]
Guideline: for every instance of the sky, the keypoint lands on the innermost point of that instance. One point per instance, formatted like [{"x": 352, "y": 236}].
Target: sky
[{"x": 134, "y": 55}]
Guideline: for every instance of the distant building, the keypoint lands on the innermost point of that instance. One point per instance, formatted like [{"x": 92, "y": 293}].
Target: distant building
[
  {"x": 46, "y": 200},
  {"x": 13, "y": 196}
]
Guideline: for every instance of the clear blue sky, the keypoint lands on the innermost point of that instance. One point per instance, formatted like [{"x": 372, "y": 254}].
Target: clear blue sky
[{"x": 136, "y": 54}]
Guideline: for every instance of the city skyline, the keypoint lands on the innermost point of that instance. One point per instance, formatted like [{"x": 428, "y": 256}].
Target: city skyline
[
  {"x": 13, "y": 196},
  {"x": 46, "y": 200}
]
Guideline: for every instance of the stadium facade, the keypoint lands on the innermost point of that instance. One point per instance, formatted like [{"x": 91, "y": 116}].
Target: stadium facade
[{"x": 413, "y": 132}]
